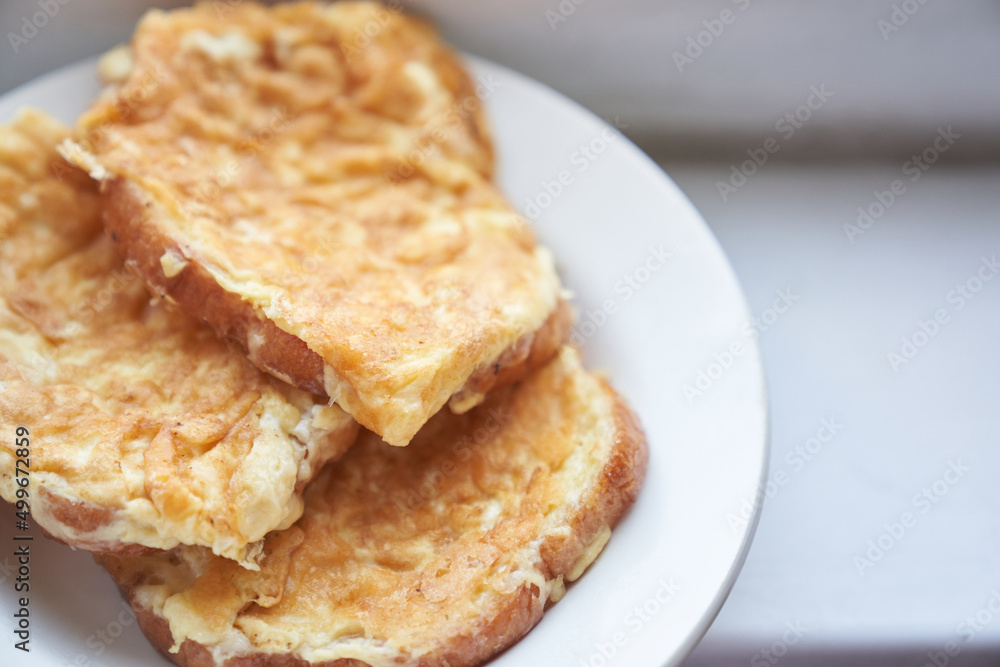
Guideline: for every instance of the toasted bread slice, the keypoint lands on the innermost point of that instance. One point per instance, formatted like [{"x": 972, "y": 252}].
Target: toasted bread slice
[
  {"x": 441, "y": 553},
  {"x": 313, "y": 181},
  {"x": 146, "y": 430}
]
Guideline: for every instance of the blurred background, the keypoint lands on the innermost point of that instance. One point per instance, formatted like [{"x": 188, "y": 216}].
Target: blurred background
[{"x": 847, "y": 157}]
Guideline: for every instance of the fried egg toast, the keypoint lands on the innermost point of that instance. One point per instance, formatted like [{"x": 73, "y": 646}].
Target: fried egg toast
[
  {"x": 441, "y": 553},
  {"x": 313, "y": 181},
  {"x": 146, "y": 430}
]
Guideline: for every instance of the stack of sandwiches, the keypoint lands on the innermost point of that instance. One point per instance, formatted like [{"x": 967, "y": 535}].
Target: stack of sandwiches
[{"x": 292, "y": 367}]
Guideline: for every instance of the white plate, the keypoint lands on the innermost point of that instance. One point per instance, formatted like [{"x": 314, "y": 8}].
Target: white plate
[{"x": 672, "y": 561}]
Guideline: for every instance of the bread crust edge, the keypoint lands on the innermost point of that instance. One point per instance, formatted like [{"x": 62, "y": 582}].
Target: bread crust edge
[
  {"x": 142, "y": 242},
  {"x": 620, "y": 479}
]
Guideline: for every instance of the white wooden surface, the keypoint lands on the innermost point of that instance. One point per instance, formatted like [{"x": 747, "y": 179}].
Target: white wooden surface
[
  {"x": 900, "y": 431},
  {"x": 617, "y": 58},
  {"x": 784, "y": 229}
]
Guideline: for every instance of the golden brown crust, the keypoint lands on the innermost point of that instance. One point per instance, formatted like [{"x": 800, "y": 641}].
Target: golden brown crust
[
  {"x": 329, "y": 207},
  {"x": 126, "y": 218},
  {"x": 142, "y": 244},
  {"x": 84, "y": 516},
  {"x": 521, "y": 613},
  {"x": 399, "y": 594},
  {"x": 191, "y": 654},
  {"x": 620, "y": 480},
  {"x": 146, "y": 430},
  {"x": 531, "y": 351}
]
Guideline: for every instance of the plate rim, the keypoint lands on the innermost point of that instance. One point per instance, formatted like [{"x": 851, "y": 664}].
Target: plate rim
[
  {"x": 19, "y": 96},
  {"x": 715, "y": 606}
]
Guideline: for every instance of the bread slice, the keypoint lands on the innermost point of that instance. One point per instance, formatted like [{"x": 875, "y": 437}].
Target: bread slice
[
  {"x": 441, "y": 553},
  {"x": 146, "y": 430},
  {"x": 313, "y": 181}
]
